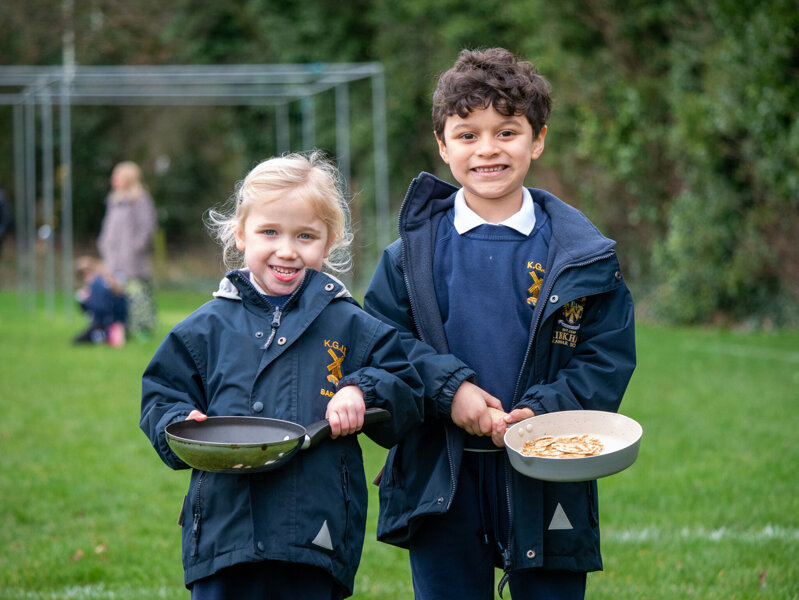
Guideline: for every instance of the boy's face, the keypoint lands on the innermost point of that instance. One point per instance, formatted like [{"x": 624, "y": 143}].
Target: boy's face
[{"x": 489, "y": 155}]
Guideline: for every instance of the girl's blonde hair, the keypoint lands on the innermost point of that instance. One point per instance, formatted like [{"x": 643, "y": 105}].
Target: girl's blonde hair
[
  {"x": 128, "y": 174},
  {"x": 310, "y": 177}
]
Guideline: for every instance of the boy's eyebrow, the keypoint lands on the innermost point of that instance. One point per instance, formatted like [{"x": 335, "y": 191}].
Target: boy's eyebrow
[{"x": 507, "y": 121}]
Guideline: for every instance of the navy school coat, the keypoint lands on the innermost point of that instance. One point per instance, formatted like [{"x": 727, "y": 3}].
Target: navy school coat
[
  {"x": 581, "y": 355},
  {"x": 312, "y": 510}
]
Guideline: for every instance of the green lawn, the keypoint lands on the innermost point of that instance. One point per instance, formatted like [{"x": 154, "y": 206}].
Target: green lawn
[{"x": 709, "y": 510}]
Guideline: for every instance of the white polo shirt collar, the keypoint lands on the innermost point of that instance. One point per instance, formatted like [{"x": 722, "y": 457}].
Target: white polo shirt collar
[{"x": 466, "y": 219}]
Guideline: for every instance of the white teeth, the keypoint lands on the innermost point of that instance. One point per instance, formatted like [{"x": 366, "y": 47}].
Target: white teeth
[
  {"x": 284, "y": 271},
  {"x": 488, "y": 169}
]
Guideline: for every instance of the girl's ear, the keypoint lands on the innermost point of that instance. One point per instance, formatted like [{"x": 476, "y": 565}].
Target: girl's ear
[{"x": 237, "y": 231}]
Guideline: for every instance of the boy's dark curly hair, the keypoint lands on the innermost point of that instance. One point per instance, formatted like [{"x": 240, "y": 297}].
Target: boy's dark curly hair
[{"x": 493, "y": 77}]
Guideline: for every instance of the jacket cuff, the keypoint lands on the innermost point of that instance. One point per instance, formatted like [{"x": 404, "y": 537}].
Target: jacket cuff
[{"x": 443, "y": 401}]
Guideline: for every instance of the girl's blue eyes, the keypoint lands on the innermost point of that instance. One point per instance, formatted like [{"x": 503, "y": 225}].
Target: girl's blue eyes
[{"x": 272, "y": 232}]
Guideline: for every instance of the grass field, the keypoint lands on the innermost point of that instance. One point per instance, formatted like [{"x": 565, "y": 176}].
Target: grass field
[{"x": 709, "y": 510}]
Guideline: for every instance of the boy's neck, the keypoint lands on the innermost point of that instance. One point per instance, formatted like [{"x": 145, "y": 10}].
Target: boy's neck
[{"x": 494, "y": 211}]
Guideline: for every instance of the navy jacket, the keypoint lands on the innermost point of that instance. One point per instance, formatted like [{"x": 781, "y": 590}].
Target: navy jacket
[
  {"x": 215, "y": 361},
  {"x": 581, "y": 355}
]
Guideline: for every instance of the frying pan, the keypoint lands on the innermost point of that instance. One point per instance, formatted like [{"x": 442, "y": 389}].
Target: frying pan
[
  {"x": 620, "y": 437},
  {"x": 244, "y": 445}
]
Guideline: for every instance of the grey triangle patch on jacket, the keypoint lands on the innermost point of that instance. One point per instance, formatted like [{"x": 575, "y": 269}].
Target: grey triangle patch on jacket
[
  {"x": 560, "y": 520},
  {"x": 322, "y": 538}
]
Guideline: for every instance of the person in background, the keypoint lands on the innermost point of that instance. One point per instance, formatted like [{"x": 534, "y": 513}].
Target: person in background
[
  {"x": 126, "y": 245},
  {"x": 103, "y": 301},
  {"x": 509, "y": 301},
  {"x": 281, "y": 339}
]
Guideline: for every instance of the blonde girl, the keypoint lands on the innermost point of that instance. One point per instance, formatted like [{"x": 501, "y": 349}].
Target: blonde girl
[{"x": 281, "y": 339}]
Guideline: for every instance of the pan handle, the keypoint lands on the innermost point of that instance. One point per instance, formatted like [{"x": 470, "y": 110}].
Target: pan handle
[{"x": 316, "y": 432}]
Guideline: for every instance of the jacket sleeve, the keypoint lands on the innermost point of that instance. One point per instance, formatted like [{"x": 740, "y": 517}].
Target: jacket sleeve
[
  {"x": 387, "y": 299},
  {"x": 145, "y": 225},
  {"x": 597, "y": 373},
  {"x": 388, "y": 380},
  {"x": 172, "y": 387}
]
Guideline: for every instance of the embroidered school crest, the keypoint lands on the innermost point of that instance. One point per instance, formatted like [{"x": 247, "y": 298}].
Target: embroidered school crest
[
  {"x": 536, "y": 271},
  {"x": 337, "y": 352},
  {"x": 334, "y": 368},
  {"x": 568, "y": 323}
]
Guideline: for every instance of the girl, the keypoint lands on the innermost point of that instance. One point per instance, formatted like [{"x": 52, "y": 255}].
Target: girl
[
  {"x": 126, "y": 244},
  {"x": 283, "y": 340}
]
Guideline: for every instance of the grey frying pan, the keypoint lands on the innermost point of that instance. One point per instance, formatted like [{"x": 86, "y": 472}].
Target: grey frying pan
[{"x": 244, "y": 445}]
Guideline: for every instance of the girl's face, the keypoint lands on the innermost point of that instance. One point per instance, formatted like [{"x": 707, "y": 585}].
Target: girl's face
[{"x": 280, "y": 238}]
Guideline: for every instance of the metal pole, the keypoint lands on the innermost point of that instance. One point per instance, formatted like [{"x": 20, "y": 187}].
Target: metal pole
[
  {"x": 65, "y": 174},
  {"x": 283, "y": 129},
  {"x": 381, "y": 159},
  {"x": 19, "y": 195},
  {"x": 343, "y": 134},
  {"x": 30, "y": 198},
  {"x": 308, "y": 124},
  {"x": 47, "y": 230}
]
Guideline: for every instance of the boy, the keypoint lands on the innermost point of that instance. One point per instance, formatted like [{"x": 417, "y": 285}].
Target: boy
[{"x": 508, "y": 299}]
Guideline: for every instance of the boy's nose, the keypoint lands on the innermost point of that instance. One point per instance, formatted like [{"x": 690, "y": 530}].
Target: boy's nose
[{"x": 487, "y": 147}]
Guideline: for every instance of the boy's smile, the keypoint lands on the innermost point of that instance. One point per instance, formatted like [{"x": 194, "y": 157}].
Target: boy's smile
[
  {"x": 280, "y": 238},
  {"x": 489, "y": 155}
]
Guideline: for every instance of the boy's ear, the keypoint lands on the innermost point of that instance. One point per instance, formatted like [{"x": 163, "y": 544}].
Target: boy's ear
[
  {"x": 538, "y": 144},
  {"x": 442, "y": 148}
]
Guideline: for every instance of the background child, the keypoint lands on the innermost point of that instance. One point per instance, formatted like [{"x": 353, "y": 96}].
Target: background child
[
  {"x": 103, "y": 300},
  {"x": 282, "y": 340},
  {"x": 509, "y": 289}
]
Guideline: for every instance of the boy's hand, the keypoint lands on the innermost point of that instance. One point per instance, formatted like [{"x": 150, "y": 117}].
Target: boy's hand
[
  {"x": 345, "y": 411},
  {"x": 470, "y": 409},
  {"x": 500, "y": 425},
  {"x": 196, "y": 415}
]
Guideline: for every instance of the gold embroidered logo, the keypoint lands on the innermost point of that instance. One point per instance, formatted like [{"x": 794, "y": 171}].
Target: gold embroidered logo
[
  {"x": 334, "y": 368},
  {"x": 573, "y": 311},
  {"x": 567, "y": 327},
  {"x": 534, "y": 268}
]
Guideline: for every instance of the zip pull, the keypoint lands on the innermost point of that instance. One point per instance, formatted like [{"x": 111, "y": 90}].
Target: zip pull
[
  {"x": 275, "y": 324},
  {"x": 506, "y": 567},
  {"x": 502, "y": 583}
]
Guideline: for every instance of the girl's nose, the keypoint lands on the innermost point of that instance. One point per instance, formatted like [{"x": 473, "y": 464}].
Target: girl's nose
[{"x": 286, "y": 249}]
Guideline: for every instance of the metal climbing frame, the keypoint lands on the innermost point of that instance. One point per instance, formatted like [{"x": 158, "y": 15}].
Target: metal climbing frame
[{"x": 32, "y": 90}]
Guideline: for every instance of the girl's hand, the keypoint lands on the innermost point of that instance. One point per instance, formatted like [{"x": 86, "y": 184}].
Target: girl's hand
[
  {"x": 196, "y": 415},
  {"x": 345, "y": 411}
]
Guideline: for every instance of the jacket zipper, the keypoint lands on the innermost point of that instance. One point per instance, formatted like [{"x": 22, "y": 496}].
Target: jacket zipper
[
  {"x": 275, "y": 324},
  {"x": 420, "y": 333},
  {"x": 195, "y": 528},
  {"x": 506, "y": 558}
]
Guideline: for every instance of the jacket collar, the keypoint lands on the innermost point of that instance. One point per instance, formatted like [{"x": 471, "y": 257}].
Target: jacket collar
[
  {"x": 574, "y": 237},
  {"x": 235, "y": 285}
]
